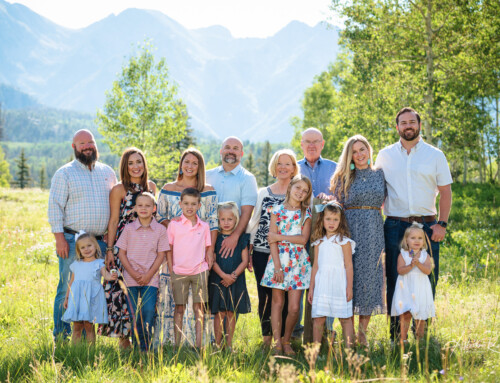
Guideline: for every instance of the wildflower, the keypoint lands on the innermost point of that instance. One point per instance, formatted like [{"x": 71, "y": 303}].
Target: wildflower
[{"x": 442, "y": 372}]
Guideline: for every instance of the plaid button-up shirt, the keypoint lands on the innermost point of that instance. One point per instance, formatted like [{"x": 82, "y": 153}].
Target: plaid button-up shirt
[{"x": 79, "y": 198}]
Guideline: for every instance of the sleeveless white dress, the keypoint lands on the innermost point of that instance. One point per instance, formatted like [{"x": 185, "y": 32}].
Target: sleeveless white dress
[
  {"x": 329, "y": 297},
  {"x": 413, "y": 291}
]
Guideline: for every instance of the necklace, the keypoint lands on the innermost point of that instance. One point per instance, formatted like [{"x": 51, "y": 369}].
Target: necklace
[{"x": 291, "y": 207}]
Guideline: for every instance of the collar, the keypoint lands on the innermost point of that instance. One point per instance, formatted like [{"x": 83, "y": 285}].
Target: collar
[
  {"x": 416, "y": 147},
  {"x": 318, "y": 161},
  {"x": 184, "y": 220},
  {"x": 235, "y": 171},
  {"x": 83, "y": 166},
  {"x": 137, "y": 224}
]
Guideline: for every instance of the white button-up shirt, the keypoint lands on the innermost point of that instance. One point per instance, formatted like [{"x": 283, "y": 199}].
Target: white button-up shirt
[{"x": 412, "y": 179}]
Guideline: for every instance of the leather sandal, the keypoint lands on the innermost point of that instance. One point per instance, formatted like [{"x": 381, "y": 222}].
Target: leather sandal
[{"x": 288, "y": 353}]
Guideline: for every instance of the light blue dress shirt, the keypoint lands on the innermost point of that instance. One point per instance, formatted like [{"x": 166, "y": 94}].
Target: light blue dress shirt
[
  {"x": 319, "y": 175},
  {"x": 238, "y": 185}
]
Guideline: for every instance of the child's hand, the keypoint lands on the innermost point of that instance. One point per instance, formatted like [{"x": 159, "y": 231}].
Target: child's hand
[
  {"x": 113, "y": 275},
  {"x": 227, "y": 280},
  {"x": 349, "y": 294},
  {"x": 234, "y": 276},
  {"x": 272, "y": 237},
  {"x": 310, "y": 296},
  {"x": 414, "y": 261},
  {"x": 65, "y": 304},
  {"x": 209, "y": 258}
]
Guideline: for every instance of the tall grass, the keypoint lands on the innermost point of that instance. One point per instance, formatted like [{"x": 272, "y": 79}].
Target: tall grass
[{"x": 463, "y": 342}]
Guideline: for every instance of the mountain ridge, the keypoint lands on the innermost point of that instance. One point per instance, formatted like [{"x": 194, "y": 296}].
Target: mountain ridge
[{"x": 245, "y": 86}]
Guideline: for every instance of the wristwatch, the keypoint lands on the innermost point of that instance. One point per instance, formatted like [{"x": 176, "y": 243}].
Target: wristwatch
[{"x": 442, "y": 223}]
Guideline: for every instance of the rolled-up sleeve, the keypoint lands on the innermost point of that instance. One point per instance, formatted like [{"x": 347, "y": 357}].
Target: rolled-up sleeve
[
  {"x": 443, "y": 176},
  {"x": 249, "y": 192},
  {"x": 58, "y": 197},
  {"x": 211, "y": 212}
]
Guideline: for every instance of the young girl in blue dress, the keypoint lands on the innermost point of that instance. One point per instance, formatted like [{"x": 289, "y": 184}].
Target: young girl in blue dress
[
  {"x": 85, "y": 302},
  {"x": 227, "y": 285},
  {"x": 289, "y": 267},
  {"x": 330, "y": 292}
]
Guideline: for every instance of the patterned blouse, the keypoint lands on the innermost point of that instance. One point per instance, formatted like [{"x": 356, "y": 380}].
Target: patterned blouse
[{"x": 169, "y": 207}]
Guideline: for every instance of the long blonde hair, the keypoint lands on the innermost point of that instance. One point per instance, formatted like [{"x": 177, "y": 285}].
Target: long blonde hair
[
  {"x": 342, "y": 178},
  {"x": 78, "y": 254},
  {"x": 305, "y": 203}
]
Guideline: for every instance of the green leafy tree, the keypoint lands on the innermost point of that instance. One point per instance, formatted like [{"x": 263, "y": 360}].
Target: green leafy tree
[
  {"x": 5, "y": 176},
  {"x": 23, "y": 171},
  {"x": 43, "y": 177},
  {"x": 143, "y": 109}
]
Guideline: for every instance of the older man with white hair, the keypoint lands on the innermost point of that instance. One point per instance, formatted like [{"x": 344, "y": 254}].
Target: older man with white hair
[
  {"x": 78, "y": 200},
  {"x": 318, "y": 169}
]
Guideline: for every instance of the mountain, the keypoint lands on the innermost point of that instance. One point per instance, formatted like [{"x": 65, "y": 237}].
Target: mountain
[{"x": 249, "y": 87}]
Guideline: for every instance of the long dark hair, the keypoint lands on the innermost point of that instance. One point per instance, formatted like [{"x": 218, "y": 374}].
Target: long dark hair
[
  {"x": 124, "y": 174},
  {"x": 200, "y": 176}
]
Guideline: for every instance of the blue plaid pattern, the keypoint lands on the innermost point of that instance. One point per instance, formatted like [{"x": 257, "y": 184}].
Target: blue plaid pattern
[{"x": 79, "y": 198}]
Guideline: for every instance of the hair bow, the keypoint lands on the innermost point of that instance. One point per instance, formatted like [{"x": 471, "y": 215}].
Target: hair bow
[
  {"x": 319, "y": 208},
  {"x": 419, "y": 225},
  {"x": 79, "y": 234}
]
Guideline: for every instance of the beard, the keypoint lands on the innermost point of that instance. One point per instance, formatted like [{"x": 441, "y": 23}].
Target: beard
[
  {"x": 229, "y": 159},
  {"x": 87, "y": 159},
  {"x": 409, "y": 134}
]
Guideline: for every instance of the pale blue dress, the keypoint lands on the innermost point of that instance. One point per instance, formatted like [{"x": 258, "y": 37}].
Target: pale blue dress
[{"x": 86, "y": 300}]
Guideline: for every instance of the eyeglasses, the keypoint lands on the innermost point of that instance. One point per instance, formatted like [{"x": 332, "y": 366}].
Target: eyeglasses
[{"x": 315, "y": 142}]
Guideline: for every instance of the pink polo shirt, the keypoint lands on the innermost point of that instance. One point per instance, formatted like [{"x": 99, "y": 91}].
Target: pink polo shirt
[
  {"x": 142, "y": 245},
  {"x": 189, "y": 245}
]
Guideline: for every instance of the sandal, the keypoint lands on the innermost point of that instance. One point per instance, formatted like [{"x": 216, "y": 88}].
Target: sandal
[
  {"x": 290, "y": 351},
  {"x": 277, "y": 350}
]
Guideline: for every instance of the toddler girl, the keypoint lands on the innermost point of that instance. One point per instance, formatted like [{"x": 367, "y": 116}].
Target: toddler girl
[
  {"x": 331, "y": 282},
  {"x": 227, "y": 286},
  {"x": 85, "y": 303},
  {"x": 289, "y": 265},
  {"x": 413, "y": 293}
]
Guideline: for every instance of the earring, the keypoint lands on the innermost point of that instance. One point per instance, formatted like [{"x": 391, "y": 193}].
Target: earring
[
  {"x": 352, "y": 166},
  {"x": 368, "y": 162},
  {"x": 181, "y": 172}
]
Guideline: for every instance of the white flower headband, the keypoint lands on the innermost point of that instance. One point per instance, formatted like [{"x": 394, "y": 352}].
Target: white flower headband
[{"x": 319, "y": 208}]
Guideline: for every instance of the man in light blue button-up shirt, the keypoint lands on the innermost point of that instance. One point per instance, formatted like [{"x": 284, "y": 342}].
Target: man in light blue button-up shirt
[
  {"x": 234, "y": 183},
  {"x": 318, "y": 169},
  {"x": 78, "y": 200}
]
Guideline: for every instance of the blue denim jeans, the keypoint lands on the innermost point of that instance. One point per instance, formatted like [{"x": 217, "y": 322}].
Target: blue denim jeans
[
  {"x": 144, "y": 315},
  {"x": 394, "y": 231},
  {"x": 60, "y": 327}
]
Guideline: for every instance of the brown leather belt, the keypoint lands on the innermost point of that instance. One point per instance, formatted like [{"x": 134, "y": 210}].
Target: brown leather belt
[
  {"x": 362, "y": 207},
  {"x": 424, "y": 218}
]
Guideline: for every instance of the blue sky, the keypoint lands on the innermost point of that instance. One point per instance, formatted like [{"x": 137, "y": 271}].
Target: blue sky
[{"x": 249, "y": 18}]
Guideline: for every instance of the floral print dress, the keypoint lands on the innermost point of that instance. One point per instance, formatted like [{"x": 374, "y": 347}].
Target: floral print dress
[
  {"x": 118, "y": 306},
  {"x": 294, "y": 259}
]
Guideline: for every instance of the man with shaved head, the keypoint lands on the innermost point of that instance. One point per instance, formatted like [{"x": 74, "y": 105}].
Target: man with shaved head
[
  {"x": 78, "y": 200},
  {"x": 234, "y": 183},
  {"x": 315, "y": 167}
]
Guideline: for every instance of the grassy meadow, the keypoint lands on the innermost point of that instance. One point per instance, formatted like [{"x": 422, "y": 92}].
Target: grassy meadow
[{"x": 462, "y": 344}]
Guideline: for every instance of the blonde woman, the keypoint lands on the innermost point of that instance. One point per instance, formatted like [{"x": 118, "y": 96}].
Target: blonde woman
[
  {"x": 283, "y": 167},
  {"x": 360, "y": 188}
]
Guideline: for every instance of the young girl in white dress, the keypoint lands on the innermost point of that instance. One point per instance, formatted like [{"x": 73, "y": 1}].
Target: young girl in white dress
[
  {"x": 413, "y": 293},
  {"x": 85, "y": 302},
  {"x": 330, "y": 292}
]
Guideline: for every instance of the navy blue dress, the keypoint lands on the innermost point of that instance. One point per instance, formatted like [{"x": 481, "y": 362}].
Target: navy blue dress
[{"x": 235, "y": 297}]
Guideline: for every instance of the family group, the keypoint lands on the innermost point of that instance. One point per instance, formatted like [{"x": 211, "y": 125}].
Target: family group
[{"x": 174, "y": 262}]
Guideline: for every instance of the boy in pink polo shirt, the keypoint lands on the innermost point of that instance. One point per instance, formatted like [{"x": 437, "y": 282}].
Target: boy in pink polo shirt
[
  {"x": 189, "y": 259},
  {"x": 143, "y": 247}
]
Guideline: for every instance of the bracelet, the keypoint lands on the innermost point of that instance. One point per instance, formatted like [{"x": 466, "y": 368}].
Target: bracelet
[
  {"x": 109, "y": 248},
  {"x": 278, "y": 270}
]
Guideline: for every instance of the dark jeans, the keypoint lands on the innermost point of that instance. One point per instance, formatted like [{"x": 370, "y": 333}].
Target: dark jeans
[
  {"x": 394, "y": 231},
  {"x": 144, "y": 315},
  {"x": 266, "y": 295}
]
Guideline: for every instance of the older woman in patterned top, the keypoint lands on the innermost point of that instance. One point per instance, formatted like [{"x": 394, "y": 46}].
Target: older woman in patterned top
[
  {"x": 191, "y": 173},
  {"x": 360, "y": 188},
  {"x": 283, "y": 167},
  {"x": 133, "y": 181}
]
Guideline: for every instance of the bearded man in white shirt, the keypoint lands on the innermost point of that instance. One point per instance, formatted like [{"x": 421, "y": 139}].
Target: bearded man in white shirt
[{"x": 415, "y": 174}]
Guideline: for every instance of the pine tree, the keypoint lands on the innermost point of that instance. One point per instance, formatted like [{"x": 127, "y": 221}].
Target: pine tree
[
  {"x": 43, "y": 178},
  {"x": 23, "y": 171},
  {"x": 250, "y": 164}
]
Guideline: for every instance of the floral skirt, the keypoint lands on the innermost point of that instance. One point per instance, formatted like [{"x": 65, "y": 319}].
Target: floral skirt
[{"x": 296, "y": 266}]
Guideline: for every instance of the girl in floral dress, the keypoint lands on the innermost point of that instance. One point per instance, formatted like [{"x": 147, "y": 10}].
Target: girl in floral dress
[
  {"x": 289, "y": 267},
  {"x": 133, "y": 181}
]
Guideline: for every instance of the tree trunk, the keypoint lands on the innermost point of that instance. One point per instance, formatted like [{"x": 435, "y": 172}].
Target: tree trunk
[
  {"x": 429, "y": 59},
  {"x": 464, "y": 179}
]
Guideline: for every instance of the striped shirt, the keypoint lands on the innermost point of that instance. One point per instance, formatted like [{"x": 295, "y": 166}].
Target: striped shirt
[
  {"x": 79, "y": 198},
  {"x": 142, "y": 245}
]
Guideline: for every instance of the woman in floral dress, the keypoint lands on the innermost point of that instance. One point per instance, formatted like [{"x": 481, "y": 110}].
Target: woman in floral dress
[
  {"x": 191, "y": 173},
  {"x": 361, "y": 189},
  {"x": 133, "y": 181}
]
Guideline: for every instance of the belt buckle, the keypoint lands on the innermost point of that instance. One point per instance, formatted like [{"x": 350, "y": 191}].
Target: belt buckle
[{"x": 415, "y": 219}]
